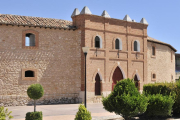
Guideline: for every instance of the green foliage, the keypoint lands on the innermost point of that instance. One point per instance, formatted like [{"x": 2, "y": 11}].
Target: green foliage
[
  {"x": 35, "y": 91},
  {"x": 172, "y": 89},
  {"x": 126, "y": 86},
  {"x": 125, "y": 100},
  {"x": 83, "y": 113},
  {"x": 159, "y": 105},
  {"x": 159, "y": 88},
  {"x": 4, "y": 114},
  {"x": 176, "y": 106},
  {"x": 34, "y": 116}
]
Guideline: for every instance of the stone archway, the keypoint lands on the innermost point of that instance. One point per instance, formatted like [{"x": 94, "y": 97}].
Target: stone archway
[
  {"x": 97, "y": 85},
  {"x": 117, "y": 76}
]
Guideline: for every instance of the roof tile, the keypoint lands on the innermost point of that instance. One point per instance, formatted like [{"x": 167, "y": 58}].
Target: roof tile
[{"x": 35, "y": 21}]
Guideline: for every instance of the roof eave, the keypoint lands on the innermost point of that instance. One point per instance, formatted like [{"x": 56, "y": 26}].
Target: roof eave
[{"x": 163, "y": 44}]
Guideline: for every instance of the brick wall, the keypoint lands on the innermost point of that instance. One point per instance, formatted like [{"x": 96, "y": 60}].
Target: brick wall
[{"x": 104, "y": 60}]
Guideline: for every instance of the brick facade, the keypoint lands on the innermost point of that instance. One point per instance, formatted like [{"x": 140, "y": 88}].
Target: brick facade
[{"x": 58, "y": 61}]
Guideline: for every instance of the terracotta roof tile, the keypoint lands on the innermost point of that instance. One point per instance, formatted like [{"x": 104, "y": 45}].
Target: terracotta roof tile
[{"x": 35, "y": 21}]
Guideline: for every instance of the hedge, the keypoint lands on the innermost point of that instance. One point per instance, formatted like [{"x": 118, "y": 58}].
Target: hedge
[
  {"x": 170, "y": 89},
  {"x": 159, "y": 105},
  {"x": 159, "y": 88},
  {"x": 34, "y": 116}
]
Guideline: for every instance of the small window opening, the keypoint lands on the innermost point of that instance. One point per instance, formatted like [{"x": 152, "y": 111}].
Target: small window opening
[
  {"x": 135, "y": 46},
  {"x": 154, "y": 76},
  {"x": 117, "y": 44},
  {"x": 29, "y": 73},
  {"x": 153, "y": 50},
  {"x": 97, "y": 42},
  {"x": 30, "y": 39}
]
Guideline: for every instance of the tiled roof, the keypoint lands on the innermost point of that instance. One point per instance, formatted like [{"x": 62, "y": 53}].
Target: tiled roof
[
  {"x": 150, "y": 39},
  {"x": 35, "y": 21}
]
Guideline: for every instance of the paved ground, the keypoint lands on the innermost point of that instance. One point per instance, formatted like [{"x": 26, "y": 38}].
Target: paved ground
[{"x": 63, "y": 112}]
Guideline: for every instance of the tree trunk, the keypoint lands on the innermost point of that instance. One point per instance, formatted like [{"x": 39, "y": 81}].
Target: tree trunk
[{"x": 34, "y": 105}]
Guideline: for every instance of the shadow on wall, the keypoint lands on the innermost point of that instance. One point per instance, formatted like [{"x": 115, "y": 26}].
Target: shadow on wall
[{"x": 58, "y": 71}]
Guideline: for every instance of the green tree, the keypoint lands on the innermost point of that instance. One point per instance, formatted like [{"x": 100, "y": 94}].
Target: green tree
[
  {"x": 35, "y": 91},
  {"x": 125, "y": 100}
]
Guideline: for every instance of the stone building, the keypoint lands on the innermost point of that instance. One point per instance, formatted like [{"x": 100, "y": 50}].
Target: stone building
[
  {"x": 49, "y": 52},
  {"x": 177, "y": 60}
]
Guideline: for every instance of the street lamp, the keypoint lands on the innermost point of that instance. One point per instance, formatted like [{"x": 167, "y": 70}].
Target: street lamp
[{"x": 85, "y": 51}]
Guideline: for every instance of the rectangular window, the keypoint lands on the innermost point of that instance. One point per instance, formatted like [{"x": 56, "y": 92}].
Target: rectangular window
[
  {"x": 29, "y": 74},
  {"x": 153, "y": 76}
]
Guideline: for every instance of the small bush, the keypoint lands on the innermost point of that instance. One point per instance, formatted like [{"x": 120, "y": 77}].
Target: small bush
[
  {"x": 125, "y": 100},
  {"x": 35, "y": 91},
  {"x": 4, "y": 114},
  {"x": 83, "y": 114},
  {"x": 34, "y": 116},
  {"x": 159, "y": 105}
]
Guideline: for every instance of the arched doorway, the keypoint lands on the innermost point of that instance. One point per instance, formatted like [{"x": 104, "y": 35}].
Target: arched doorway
[
  {"x": 136, "y": 82},
  {"x": 117, "y": 76},
  {"x": 97, "y": 85}
]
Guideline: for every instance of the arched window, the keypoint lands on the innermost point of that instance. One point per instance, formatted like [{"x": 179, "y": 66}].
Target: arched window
[
  {"x": 30, "y": 39},
  {"x": 153, "y": 50},
  {"x": 98, "y": 42},
  {"x": 118, "y": 44},
  {"x": 29, "y": 73},
  {"x": 136, "y": 46}
]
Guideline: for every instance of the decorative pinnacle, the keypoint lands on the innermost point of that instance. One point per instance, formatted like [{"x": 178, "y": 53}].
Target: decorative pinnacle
[
  {"x": 85, "y": 10},
  {"x": 76, "y": 12},
  {"x": 105, "y": 14}
]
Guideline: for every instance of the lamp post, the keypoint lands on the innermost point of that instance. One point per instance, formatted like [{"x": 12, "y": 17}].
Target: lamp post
[{"x": 85, "y": 51}]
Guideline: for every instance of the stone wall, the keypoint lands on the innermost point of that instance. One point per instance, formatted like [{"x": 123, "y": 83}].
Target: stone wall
[
  {"x": 56, "y": 60},
  {"x": 162, "y": 64}
]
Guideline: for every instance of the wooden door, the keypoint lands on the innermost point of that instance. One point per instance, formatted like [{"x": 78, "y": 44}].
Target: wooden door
[
  {"x": 117, "y": 76},
  {"x": 97, "y": 85}
]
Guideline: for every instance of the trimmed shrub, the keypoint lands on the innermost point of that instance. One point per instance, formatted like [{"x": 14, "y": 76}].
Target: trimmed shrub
[
  {"x": 83, "y": 113},
  {"x": 35, "y": 91},
  {"x": 34, "y": 116},
  {"x": 159, "y": 88},
  {"x": 4, "y": 114},
  {"x": 125, "y": 100},
  {"x": 172, "y": 89},
  {"x": 159, "y": 105}
]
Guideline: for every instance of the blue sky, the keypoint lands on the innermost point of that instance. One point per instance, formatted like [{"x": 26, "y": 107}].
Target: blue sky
[{"x": 163, "y": 16}]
